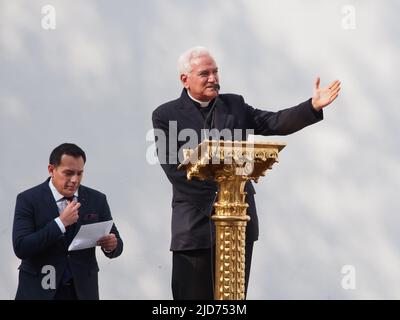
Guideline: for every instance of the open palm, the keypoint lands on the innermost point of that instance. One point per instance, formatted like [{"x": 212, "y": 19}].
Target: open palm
[{"x": 324, "y": 96}]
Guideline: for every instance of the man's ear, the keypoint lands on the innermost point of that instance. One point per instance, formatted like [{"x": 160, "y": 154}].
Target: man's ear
[
  {"x": 184, "y": 80},
  {"x": 51, "y": 168}
]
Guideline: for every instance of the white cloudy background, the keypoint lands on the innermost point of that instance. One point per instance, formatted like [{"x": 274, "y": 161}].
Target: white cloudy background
[{"x": 332, "y": 201}]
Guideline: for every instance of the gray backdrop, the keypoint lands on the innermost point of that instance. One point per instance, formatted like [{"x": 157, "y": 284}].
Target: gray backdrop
[{"x": 331, "y": 202}]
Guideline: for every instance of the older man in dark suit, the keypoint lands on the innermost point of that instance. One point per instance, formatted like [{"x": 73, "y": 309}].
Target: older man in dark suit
[
  {"x": 176, "y": 122},
  {"x": 47, "y": 217}
]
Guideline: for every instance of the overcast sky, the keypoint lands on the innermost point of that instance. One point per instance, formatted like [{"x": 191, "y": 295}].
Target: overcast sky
[{"x": 331, "y": 202}]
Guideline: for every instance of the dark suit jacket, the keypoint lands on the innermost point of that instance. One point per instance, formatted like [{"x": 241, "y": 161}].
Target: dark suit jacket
[
  {"x": 38, "y": 241},
  {"x": 192, "y": 200}
]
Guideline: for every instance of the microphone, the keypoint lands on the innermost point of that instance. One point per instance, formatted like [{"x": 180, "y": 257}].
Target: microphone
[{"x": 216, "y": 87}]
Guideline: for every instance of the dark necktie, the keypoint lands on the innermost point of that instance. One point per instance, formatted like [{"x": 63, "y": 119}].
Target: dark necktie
[{"x": 69, "y": 234}]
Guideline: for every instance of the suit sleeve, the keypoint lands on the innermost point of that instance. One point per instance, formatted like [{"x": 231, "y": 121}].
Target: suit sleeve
[
  {"x": 27, "y": 240},
  {"x": 285, "y": 121},
  {"x": 107, "y": 216}
]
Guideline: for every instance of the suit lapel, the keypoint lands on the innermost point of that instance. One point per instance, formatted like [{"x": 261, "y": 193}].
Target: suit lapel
[
  {"x": 193, "y": 117},
  {"x": 82, "y": 199},
  {"x": 49, "y": 200},
  {"x": 220, "y": 114}
]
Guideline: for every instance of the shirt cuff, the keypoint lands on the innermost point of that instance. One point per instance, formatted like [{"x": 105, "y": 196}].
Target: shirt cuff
[{"x": 60, "y": 224}]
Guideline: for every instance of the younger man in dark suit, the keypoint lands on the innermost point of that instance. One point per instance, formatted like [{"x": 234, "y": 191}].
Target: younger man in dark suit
[{"x": 47, "y": 217}]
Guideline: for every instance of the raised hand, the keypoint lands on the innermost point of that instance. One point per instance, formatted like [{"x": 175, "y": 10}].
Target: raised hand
[
  {"x": 70, "y": 214},
  {"x": 324, "y": 96}
]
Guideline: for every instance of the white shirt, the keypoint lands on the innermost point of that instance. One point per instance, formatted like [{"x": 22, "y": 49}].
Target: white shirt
[
  {"x": 61, "y": 204},
  {"x": 203, "y": 104}
]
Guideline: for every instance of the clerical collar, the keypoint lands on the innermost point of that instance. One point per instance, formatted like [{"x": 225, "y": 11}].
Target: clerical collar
[{"x": 202, "y": 104}]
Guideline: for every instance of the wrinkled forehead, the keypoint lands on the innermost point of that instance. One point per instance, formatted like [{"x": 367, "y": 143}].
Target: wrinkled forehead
[{"x": 203, "y": 62}]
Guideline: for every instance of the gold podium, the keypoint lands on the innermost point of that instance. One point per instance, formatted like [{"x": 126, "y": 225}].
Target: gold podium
[{"x": 230, "y": 164}]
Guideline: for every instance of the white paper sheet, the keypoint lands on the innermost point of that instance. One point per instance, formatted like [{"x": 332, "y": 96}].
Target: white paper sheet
[{"x": 88, "y": 235}]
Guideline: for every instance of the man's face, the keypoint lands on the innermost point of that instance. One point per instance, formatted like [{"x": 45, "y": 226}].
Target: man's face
[
  {"x": 200, "y": 82},
  {"x": 67, "y": 175}
]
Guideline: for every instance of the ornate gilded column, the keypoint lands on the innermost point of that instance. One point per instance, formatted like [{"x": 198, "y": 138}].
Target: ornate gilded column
[{"x": 230, "y": 164}]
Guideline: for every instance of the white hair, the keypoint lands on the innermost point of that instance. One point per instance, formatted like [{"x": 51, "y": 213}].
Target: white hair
[{"x": 185, "y": 61}]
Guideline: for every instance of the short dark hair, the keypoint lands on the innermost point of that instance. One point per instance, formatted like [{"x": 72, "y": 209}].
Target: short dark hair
[{"x": 68, "y": 149}]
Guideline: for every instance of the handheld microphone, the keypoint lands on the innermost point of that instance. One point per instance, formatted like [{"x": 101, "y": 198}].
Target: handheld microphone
[{"x": 216, "y": 86}]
